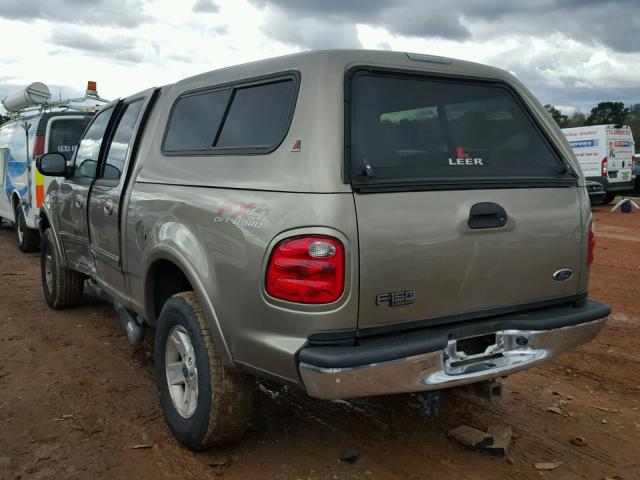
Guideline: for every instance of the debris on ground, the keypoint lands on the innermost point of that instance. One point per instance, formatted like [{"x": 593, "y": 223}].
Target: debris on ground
[
  {"x": 556, "y": 410},
  {"x": 494, "y": 441},
  {"x": 546, "y": 465},
  {"x": 349, "y": 457},
  {"x": 501, "y": 435},
  {"x": 141, "y": 446},
  {"x": 578, "y": 442},
  {"x": 471, "y": 437}
]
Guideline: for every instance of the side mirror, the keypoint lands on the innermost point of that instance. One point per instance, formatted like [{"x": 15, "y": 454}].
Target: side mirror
[{"x": 52, "y": 164}]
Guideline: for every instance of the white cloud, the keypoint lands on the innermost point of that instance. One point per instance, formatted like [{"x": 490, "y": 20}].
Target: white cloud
[{"x": 131, "y": 45}]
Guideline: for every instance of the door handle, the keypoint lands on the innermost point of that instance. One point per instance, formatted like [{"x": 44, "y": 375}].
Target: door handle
[
  {"x": 487, "y": 215},
  {"x": 78, "y": 200},
  {"x": 108, "y": 207}
]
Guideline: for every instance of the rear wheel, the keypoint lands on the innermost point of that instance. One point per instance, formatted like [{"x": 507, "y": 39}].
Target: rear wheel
[
  {"x": 609, "y": 197},
  {"x": 62, "y": 287},
  {"x": 204, "y": 402},
  {"x": 26, "y": 238}
]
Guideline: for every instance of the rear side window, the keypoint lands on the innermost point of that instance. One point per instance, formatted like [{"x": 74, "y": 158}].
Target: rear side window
[
  {"x": 65, "y": 133},
  {"x": 258, "y": 116},
  {"x": 246, "y": 119},
  {"x": 195, "y": 121},
  {"x": 412, "y": 129}
]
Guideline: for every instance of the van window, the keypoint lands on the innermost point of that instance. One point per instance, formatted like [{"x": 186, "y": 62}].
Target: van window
[
  {"x": 411, "y": 128},
  {"x": 65, "y": 133},
  {"x": 258, "y": 116},
  {"x": 87, "y": 155},
  {"x": 119, "y": 146},
  {"x": 195, "y": 120}
]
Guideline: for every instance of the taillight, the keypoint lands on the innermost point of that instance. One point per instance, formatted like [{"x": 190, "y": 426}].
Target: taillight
[
  {"x": 307, "y": 269},
  {"x": 603, "y": 167},
  {"x": 38, "y": 147},
  {"x": 591, "y": 245}
]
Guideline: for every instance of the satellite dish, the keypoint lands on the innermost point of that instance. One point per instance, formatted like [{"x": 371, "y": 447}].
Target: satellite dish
[{"x": 35, "y": 94}]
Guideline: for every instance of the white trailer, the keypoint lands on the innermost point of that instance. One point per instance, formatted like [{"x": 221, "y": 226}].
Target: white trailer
[{"x": 606, "y": 155}]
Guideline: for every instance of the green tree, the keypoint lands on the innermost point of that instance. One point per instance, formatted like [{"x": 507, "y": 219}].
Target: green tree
[
  {"x": 633, "y": 120},
  {"x": 560, "y": 118},
  {"x": 577, "y": 119},
  {"x": 607, "y": 113}
]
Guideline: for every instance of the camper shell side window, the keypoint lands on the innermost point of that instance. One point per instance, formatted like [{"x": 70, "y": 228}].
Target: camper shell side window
[{"x": 252, "y": 117}]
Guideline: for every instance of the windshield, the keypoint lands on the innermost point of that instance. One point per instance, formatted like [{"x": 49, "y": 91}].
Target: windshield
[{"x": 411, "y": 128}]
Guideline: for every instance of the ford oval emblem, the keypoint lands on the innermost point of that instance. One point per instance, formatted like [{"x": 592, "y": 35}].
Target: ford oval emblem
[{"x": 563, "y": 274}]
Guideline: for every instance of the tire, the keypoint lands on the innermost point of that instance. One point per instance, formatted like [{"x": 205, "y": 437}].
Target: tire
[
  {"x": 608, "y": 198},
  {"x": 221, "y": 411},
  {"x": 27, "y": 238},
  {"x": 62, "y": 287}
]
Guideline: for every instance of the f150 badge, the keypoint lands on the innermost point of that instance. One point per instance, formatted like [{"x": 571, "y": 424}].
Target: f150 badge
[
  {"x": 241, "y": 214},
  {"x": 396, "y": 299}
]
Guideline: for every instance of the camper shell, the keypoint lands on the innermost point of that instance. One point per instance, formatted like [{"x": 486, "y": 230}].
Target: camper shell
[
  {"x": 349, "y": 222},
  {"x": 36, "y": 126}
]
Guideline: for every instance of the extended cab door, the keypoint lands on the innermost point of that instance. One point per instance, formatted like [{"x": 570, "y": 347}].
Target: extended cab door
[
  {"x": 107, "y": 193},
  {"x": 71, "y": 198}
]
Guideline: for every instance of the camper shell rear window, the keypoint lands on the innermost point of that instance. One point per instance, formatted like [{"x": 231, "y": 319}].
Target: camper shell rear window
[{"x": 408, "y": 130}]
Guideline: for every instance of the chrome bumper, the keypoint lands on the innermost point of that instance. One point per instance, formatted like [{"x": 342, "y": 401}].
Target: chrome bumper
[{"x": 513, "y": 350}]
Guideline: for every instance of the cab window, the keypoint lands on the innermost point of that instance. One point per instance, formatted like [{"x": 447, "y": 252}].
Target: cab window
[
  {"x": 119, "y": 147},
  {"x": 88, "y": 153}
]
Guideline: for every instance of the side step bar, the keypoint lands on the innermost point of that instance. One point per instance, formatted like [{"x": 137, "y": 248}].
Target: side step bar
[{"x": 133, "y": 325}]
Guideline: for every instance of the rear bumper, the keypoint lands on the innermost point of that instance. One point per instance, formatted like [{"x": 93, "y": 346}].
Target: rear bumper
[{"x": 332, "y": 372}]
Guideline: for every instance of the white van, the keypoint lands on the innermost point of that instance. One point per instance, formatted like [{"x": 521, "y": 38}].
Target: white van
[
  {"x": 606, "y": 155},
  {"x": 36, "y": 126}
]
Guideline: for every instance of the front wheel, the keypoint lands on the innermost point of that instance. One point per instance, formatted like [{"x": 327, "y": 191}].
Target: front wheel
[
  {"x": 204, "y": 402},
  {"x": 62, "y": 287},
  {"x": 26, "y": 238}
]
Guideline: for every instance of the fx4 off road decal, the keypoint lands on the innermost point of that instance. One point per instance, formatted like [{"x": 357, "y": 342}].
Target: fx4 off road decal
[{"x": 248, "y": 215}]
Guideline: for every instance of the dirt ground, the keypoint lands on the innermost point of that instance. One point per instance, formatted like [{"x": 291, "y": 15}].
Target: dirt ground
[{"x": 78, "y": 401}]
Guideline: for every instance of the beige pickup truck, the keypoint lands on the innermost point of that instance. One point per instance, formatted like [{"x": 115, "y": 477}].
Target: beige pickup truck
[{"x": 350, "y": 223}]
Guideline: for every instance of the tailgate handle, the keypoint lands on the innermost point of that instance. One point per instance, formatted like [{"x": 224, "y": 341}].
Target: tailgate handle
[{"x": 487, "y": 215}]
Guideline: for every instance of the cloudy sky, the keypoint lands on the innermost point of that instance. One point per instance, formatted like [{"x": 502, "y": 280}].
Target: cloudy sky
[{"x": 571, "y": 53}]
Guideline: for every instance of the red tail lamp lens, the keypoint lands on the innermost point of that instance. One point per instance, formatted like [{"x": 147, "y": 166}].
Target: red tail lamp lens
[
  {"x": 307, "y": 269},
  {"x": 592, "y": 244}
]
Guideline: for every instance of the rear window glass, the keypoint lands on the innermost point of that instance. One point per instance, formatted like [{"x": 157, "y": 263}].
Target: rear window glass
[
  {"x": 406, "y": 128},
  {"x": 258, "y": 116},
  {"x": 65, "y": 133},
  {"x": 195, "y": 121}
]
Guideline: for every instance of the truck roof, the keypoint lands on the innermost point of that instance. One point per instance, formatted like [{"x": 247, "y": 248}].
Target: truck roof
[{"x": 340, "y": 60}]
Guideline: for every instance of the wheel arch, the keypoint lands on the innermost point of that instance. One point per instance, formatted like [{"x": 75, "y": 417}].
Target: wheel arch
[{"x": 168, "y": 265}]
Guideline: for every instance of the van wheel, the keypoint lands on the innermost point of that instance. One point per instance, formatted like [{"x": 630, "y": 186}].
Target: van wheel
[
  {"x": 204, "y": 402},
  {"x": 608, "y": 198},
  {"x": 26, "y": 238},
  {"x": 62, "y": 287}
]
